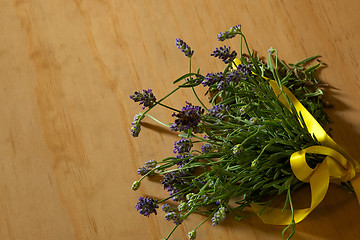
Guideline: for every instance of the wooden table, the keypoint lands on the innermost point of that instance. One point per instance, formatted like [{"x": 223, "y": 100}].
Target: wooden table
[{"x": 67, "y": 69}]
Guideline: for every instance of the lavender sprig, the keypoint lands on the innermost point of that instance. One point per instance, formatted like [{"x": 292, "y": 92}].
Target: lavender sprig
[
  {"x": 224, "y": 54},
  {"x": 230, "y": 33},
  {"x": 147, "y": 206},
  {"x": 180, "y": 44},
  {"x": 145, "y": 98}
]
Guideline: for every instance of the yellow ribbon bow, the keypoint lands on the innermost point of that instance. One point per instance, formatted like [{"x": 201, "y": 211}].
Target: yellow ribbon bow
[{"x": 337, "y": 166}]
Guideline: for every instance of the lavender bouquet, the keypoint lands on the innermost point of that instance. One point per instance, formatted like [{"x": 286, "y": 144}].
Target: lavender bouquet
[{"x": 246, "y": 138}]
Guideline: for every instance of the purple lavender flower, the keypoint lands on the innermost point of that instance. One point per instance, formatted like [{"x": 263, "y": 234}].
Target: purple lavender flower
[
  {"x": 142, "y": 171},
  {"x": 176, "y": 196},
  {"x": 189, "y": 117},
  {"x": 146, "y": 97},
  {"x": 148, "y": 166},
  {"x": 213, "y": 78},
  {"x": 137, "y": 118},
  {"x": 135, "y": 130},
  {"x": 146, "y": 206},
  {"x": 233, "y": 77},
  {"x": 206, "y": 148},
  {"x": 180, "y": 44},
  {"x": 167, "y": 208},
  {"x": 230, "y": 33},
  {"x": 176, "y": 217},
  {"x": 184, "y": 145},
  {"x": 174, "y": 181},
  {"x": 222, "y": 85},
  {"x": 224, "y": 54},
  {"x": 245, "y": 70},
  {"x": 186, "y": 158},
  {"x": 219, "y": 111},
  {"x": 219, "y": 216}
]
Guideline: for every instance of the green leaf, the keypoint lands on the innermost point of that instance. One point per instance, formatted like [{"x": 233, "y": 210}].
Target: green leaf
[
  {"x": 187, "y": 75},
  {"x": 189, "y": 132},
  {"x": 312, "y": 68},
  {"x": 305, "y": 60}
]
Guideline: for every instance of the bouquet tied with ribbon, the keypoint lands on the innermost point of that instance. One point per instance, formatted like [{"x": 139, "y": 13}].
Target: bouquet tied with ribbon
[{"x": 260, "y": 136}]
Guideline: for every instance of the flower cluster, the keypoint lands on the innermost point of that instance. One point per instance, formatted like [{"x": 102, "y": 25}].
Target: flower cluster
[
  {"x": 245, "y": 70},
  {"x": 184, "y": 145},
  {"x": 206, "y": 148},
  {"x": 220, "y": 111},
  {"x": 230, "y": 33},
  {"x": 213, "y": 78},
  {"x": 224, "y": 54},
  {"x": 219, "y": 216},
  {"x": 148, "y": 166},
  {"x": 146, "y": 97},
  {"x": 222, "y": 81},
  {"x": 146, "y": 206},
  {"x": 188, "y": 117},
  {"x": 167, "y": 208},
  {"x": 185, "y": 159},
  {"x": 136, "y": 128},
  {"x": 180, "y": 44},
  {"x": 175, "y": 216},
  {"x": 174, "y": 181}
]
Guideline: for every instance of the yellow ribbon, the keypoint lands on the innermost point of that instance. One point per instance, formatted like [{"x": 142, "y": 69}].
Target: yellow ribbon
[{"x": 337, "y": 166}]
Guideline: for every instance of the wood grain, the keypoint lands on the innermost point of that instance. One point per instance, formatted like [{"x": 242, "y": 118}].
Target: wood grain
[{"x": 67, "y": 69}]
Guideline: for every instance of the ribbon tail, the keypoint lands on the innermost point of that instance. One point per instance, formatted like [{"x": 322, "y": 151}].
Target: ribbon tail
[
  {"x": 355, "y": 182},
  {"x": 319, "y": 184}
]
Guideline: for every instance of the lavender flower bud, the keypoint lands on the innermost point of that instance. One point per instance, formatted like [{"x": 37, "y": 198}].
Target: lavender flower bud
[
  {"x": 192, "y": 235},
  {"x": 224, "y": 54},
  {"x": 212, "y": 78},
  {"x": 180, "y": 44},
  {"x": 135, "y": 130},
  {"x": 237, "y": 149},
  {"x": 219, "y": 216},
  {"x": 271, "y": 50},
  {"x": 146, "y": 206},
  {"x": 219, "y": 111},
  {"x": 245, "y": 70},
  {"x": 206, "y": 148},
  {"x": 146, "y": 97},
  {"x": 167, "y": 208},
  {"x": 135, "y": 185},
  {"x": 252, "y": 120},
  {"x": 150, "y": 164},
  {"x": 189, "y": 117},
  {"x": 184, "y": 145},
  {"x": 230, "y": 33},
  {"x": 183, "y": 206},
  {"x": 176, "y": 217}
]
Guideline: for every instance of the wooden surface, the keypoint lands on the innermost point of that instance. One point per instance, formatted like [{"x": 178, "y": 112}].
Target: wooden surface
[{"x": 67, "y": 69}]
